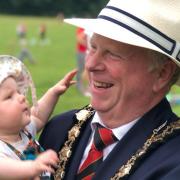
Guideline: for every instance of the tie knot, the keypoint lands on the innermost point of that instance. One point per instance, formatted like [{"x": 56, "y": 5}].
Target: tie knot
[{"x": 103, "y": 137}]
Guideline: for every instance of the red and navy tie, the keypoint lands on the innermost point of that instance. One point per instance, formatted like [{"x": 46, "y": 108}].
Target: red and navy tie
[{"x": 102, "y": 138}]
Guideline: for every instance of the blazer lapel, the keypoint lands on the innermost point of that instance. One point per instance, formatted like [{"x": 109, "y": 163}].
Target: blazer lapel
[{"x": 78, "y": 151}]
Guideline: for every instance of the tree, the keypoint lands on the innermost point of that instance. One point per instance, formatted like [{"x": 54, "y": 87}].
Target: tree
[{"x": 79, "y": 8}]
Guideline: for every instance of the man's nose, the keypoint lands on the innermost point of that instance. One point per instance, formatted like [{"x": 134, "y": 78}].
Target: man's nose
[{"x": 94, "y": 62}]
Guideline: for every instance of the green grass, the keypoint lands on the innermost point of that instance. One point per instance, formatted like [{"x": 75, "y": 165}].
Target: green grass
[{"x": 52, "y": 60}]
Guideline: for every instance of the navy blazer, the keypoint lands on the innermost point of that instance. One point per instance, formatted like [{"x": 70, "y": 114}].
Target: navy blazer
[{"x": 163, "y": 163}]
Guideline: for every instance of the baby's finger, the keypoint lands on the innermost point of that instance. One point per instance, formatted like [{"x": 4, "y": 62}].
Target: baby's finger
[
  {"x": 45, "y": 168},
  {"x": 69, "y": 76},
  {"x": 72, "y": 82}
]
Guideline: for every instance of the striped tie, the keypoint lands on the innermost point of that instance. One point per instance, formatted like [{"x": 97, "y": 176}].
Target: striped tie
[{"x": 102, "y": 138}]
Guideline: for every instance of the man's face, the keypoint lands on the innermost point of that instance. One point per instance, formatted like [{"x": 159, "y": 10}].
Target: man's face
[{"x": 119, "y": 75}]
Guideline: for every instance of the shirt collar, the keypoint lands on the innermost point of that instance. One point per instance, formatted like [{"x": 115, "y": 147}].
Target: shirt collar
[{"x": 119, "y": 132}]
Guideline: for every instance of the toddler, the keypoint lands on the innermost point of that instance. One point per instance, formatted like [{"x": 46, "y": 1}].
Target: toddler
[{"x": 21, "y": 156}]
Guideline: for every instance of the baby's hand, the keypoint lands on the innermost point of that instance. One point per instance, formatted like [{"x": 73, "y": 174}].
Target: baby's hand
[
  {"x": 64, "y": 84},
  {"x": 45, "y": 162}
]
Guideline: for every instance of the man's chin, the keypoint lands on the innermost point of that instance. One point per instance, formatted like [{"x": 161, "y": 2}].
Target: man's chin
[{"x": 98, "y": 106}]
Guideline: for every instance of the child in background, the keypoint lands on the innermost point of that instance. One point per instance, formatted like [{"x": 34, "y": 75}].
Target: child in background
[
  {"x": 21, "y": 156},
  {"x": 21, "y": 31},
  {"x": 42, "y": 34},
  {"x": 81, "y": 47}
]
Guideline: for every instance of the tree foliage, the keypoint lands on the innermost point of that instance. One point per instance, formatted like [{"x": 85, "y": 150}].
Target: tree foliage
[{"x": 78, "y": 8}]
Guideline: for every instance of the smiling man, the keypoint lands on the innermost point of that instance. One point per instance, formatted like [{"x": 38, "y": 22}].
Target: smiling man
[{"x": 129, "y": 131}]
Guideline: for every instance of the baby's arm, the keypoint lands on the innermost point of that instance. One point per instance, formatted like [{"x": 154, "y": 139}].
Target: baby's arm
[
  {"x": 11, "y": 169},
  {"x": 47, "y": 103}
]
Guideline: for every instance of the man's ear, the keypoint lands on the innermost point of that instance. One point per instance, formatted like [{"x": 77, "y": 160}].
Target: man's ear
[{"x": 164, "y": 75}]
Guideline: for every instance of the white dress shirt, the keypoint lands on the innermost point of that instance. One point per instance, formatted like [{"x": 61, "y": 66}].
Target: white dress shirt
[{"x": 118, "y": 132}]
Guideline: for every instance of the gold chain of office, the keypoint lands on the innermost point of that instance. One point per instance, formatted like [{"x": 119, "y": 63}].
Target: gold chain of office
[{"x": 158, "y": 136}]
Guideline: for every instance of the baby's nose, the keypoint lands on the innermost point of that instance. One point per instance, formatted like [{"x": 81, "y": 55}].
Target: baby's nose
[{"x": 22, "y": 98}]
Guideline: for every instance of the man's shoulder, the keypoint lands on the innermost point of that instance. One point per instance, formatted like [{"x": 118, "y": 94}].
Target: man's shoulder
[
  {"x": 55, "y": 132},
  {"x": 66, "y": 116},
  {"x": 61, "y": 121}
]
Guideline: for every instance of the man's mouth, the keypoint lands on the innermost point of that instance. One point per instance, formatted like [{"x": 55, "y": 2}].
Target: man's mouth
[{"x": 102, "y": 84}]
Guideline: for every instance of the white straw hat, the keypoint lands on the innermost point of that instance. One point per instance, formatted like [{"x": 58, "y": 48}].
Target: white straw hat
[
  {"x": 153, "y": 24},
  {"x": 11, "y": 66}
]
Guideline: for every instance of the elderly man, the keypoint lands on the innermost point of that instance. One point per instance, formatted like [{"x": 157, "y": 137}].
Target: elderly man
[{"x": 129, "y": 131}]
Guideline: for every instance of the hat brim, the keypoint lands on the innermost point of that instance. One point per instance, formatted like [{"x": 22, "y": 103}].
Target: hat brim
[{"x": 118, "y": 33}]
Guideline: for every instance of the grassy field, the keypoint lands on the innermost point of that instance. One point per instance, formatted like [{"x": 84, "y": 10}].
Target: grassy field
[{"x": 53, "y": 60}]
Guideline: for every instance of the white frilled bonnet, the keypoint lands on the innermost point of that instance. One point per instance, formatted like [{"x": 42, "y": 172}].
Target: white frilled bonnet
[{"x": 11, "y": 66}]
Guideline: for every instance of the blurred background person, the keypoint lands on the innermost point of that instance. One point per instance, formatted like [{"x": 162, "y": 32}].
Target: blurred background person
[
  {"x": 42, "y": 34},
  {"x": 24, "y": 51},
  {"x": 81, "y": 48},
  {"x": 21, "y": 31},
  {"x": 42, "y": 31},
  {"x": 23, "y": 43}
]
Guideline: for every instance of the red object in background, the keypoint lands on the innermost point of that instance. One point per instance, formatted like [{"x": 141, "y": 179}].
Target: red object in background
[{"x": 81, "y": 40}]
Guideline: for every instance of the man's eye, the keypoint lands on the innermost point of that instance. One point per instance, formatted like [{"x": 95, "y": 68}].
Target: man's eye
[
  {"x": 117, "y": 56},
  {"x": 114, "y": 56},
  {"x": 92, "y": 49}
]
